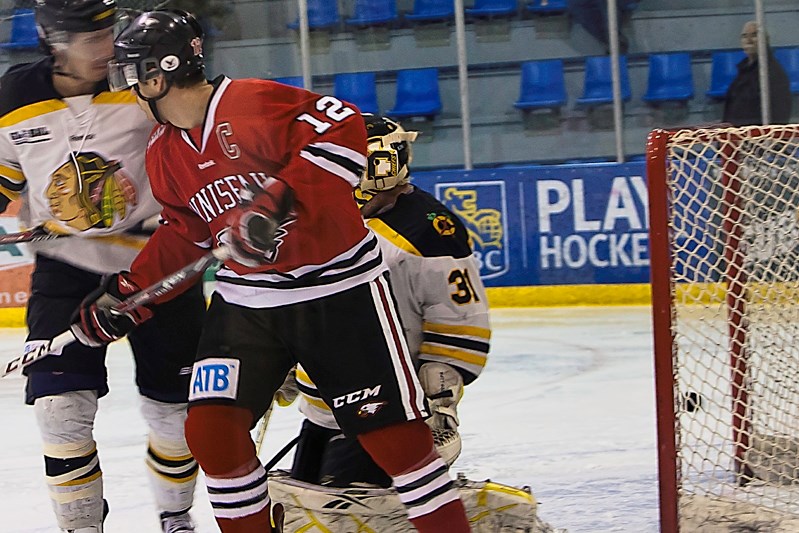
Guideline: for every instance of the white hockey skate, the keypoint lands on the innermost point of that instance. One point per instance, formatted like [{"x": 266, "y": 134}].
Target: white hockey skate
[
  {"x": 91, "y": 529},
  {"x": 180, "y": 523}
]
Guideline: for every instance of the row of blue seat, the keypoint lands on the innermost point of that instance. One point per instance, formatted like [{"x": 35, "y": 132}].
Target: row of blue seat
[
  {"x": 324, "y": 14},
  {"x": 417, "y": 91},
  {"x": 543, "y": 83},
  {"x": 670, "y": 78}
]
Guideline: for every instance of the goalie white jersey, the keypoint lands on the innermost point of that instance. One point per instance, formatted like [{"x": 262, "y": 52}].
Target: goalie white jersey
[
  {"x": 436, "y": 282},
  {"x": 78, "y": 164}
]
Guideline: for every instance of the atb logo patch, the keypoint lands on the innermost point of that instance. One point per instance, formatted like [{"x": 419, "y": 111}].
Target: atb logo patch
[
  {"x": 370, "y": 409},
  {"x": 215, "y": 378}
]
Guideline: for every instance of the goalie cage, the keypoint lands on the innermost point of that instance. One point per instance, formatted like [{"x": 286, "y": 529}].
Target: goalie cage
[
  {"x": 724, "y": 255},
  {"x": 491, "y": 508}
]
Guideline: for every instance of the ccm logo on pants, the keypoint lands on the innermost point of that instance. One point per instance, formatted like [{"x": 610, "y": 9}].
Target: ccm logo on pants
[
  {"x": 214, "y": 378},
  {"x": 356, "y": 396}
]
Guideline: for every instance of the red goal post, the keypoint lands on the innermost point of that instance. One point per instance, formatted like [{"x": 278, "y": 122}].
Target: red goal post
[{"x": 724, "y": 254}]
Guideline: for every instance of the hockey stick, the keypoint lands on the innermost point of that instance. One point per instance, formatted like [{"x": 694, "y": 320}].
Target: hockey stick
[
  {"x": 281, "y": 454},
  {"x": 39, "y": 349},
  {"x": 37, "y": 234},
  {"x": 261, "y": 433}
]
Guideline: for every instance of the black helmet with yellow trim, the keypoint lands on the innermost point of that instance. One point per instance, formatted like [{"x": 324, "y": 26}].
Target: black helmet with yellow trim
[{"x": 56, "y": 19}]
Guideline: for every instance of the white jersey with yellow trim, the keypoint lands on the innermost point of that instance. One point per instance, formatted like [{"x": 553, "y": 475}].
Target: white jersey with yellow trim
[
  {"x": 78, "y": 165},
  {"x": 436, "y": 282}
]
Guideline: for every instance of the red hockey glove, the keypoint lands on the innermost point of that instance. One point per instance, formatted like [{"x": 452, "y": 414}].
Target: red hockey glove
[
  {"x": 95, "y": 325},
  {"x": 254, "y": 223}
]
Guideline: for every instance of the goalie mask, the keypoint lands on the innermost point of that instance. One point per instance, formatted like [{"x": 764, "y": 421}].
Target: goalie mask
[{"x": 388, "y": 155}]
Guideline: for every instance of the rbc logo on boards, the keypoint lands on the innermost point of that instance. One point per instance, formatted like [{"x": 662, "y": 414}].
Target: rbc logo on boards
[
  {"x": 482, "y": 207},
  {"x": 215, "y": 378}
]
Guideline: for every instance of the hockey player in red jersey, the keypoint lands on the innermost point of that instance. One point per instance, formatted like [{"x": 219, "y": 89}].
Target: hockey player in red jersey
[
  {"x": 72, "y": 152},
  {"x": 268, "y": 170},
  {"x": 441, "y": 300}
]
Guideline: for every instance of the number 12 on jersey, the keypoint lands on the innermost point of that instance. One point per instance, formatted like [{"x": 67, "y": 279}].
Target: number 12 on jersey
[{"x": 333, "y": 108}]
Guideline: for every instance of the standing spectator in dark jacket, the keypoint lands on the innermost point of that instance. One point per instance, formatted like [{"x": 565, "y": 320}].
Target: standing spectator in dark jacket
[
  {"x": 742, "y": 104},
  {"x": 593, "y": 16}
]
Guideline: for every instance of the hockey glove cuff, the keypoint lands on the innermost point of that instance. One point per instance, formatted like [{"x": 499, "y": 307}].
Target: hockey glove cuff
[
  {"x": 254, "y": 224},
  {"x": 95, "y": 324},
  {"x": 443, "y": 386},
  {"x": 288, "y": 391}
]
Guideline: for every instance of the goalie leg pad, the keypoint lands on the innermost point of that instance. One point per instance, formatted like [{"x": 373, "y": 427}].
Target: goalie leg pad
[
  {"x": 72, "y": 468},
  {"x": 491, "y": 507},
  {"x": 171, "y": 467}
]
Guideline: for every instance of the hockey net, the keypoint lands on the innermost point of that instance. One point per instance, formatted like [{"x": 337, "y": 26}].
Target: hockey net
[{"x": 725, "y": 289}]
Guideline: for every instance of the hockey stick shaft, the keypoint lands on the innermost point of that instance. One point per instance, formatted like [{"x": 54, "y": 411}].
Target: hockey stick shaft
[
  {"x": 262, "y": 425},
  {"x": 37, "y": 350},
  {"x": 37, "y": 234},
  {"x": 281, "y": 454}
]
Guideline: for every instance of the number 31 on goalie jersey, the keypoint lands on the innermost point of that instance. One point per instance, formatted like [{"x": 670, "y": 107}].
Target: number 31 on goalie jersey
[
  {"x": 333, "y": 108},
  {"x": 464, "y": 290}
]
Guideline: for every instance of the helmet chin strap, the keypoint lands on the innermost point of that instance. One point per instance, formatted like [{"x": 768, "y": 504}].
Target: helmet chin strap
[{"x": 151, "y": 102}]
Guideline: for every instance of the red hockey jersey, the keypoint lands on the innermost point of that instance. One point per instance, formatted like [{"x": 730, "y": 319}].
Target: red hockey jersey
[{"x": 255, "y": 130}]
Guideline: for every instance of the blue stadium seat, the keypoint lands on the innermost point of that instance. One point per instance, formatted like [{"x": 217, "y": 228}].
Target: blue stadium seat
[
  {"x": 23, "y": 31},
  {"x": 598, "y": 86},
  {"x": 431, "y": 10},
  {"x": 723, "y": 69},
  {"x": 358, "y": 88},
  {"x": 547, "y": 7},
  {"x": 322, "y": 14},
  {"x": 789, "y": 59},
  {"x": 294, "y": 81},
  {"x": 670, "y": 78},
  {"x": 492, "y": 8},
  {"x": 542, "y": 86},
  {"x": 417, "y": 94},
  {"x": 373, "y": 13}
]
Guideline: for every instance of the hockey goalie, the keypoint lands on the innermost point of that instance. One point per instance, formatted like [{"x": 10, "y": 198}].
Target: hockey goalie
[{"x": 334, "y": 486}]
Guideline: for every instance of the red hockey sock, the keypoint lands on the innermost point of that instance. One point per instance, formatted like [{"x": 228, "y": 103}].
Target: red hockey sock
[
  {"x": 406, "y": 452},
  {"x": 235, "y": 479}
]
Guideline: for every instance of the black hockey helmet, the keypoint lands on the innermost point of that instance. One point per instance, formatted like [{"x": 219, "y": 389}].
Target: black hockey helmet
[
  {"x": 56, "y": 19},
  {"x": 164, "y": 42},
  {"x": 388, "y": 154}
]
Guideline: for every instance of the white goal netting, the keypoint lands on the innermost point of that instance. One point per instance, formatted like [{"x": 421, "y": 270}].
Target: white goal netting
[{"x": 733, "y": 240}]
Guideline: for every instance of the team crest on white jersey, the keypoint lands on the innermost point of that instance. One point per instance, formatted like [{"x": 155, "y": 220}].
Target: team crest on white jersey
[{"x": 88, "y": 191}]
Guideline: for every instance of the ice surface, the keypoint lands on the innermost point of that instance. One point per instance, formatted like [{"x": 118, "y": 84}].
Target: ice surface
[{"x": 565, "y": 405}]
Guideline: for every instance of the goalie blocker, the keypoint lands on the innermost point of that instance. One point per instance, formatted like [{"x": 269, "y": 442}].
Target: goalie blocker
[{"x": 490, "y": 507}]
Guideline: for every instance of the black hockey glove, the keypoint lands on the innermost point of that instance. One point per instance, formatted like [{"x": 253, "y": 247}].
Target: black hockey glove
[
  {"x": 95, "y": 325},
  {"x": 254, "y": 224}
]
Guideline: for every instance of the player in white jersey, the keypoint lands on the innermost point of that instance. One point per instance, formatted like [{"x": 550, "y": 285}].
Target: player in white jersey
[
  {"x": 73, "y": 152},
  {"x": 441, "y": 300}
]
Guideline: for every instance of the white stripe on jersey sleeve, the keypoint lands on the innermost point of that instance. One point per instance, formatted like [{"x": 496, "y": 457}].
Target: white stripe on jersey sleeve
[
  {"x": 356, "y": 157},
  {"x": 332, "y": 167}
]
